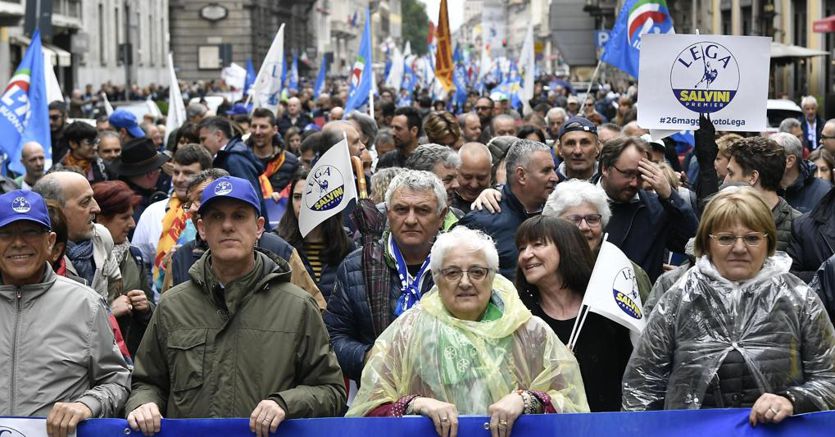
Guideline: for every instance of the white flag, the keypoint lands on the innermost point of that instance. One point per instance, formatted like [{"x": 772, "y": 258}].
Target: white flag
[
  {"x": 329, "y": 187},
  {"x": 53, "y": 89},
  {"x": 613, "y": 292},
  {"x": 527, "y": 61},
  {"x": 176, "y": 106},
  {"x": 266, "y": 91},
  {"x": 486, "y": 63},
  {"x": 108, "y": 108},
  {"x": 395, "y": 77},
  {"x": 234, "y": 75}
]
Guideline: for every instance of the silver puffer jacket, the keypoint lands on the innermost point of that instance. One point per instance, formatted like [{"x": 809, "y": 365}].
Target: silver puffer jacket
[
  {"x": 56, "y": 345},
  {"x": 774, "y": 320}
]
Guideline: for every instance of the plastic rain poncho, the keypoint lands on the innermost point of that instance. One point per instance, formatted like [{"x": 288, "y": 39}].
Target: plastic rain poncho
[
  {"x": 774, "y": 320},
  {"x": 429, "y": 353}
]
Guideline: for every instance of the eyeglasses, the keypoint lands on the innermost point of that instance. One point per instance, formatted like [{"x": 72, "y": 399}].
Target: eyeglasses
[
  {"x": 93, "y": 142},
  {"x": 55, "y": 117},
  {"x": 591, "y": 219},
  {"x": 474, "y": 273},
  {"x": 482, "y": 108},
  {"x": 826, "y": 137},
  {"x": 187, "y": 205},
  {"x": 727, "y": 239},
  {"x": 631, "y": 174},
  {"x": 27, "y": 234}
]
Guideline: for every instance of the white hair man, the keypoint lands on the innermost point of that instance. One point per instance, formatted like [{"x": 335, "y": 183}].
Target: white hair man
[{"x": 811, "y": 122}]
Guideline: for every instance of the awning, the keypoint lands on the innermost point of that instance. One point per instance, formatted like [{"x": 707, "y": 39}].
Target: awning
[
  {"x": 779, "y": 50},
  {"x": 56, "y": 55},
  {"x": 824, "y": 25}
]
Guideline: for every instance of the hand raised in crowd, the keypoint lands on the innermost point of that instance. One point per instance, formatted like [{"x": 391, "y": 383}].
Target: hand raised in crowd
[
  {"x": 443, "y": 415},
  {"x": 145, "y": 418},
  {"x": 139, "y": 301},
  {"x": 503, "y": 414},
  {"x": 488, "y": 199},
  {"x": 770, "y": 408},
  {"x": 121, "y": 306},
  {"x": 64, "y": 417},
  {"x": 265, "y": 418},
  {"x": 653, "y": 174}
]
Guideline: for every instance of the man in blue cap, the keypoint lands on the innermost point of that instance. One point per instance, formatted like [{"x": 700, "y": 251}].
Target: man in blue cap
[
  {"x": 125, "y": 123},
  {"x": 238, "y": 339},
  {"x": 62, "y": 360}
]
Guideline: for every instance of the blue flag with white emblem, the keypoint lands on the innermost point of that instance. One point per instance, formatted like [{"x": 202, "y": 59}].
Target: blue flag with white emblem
[
  {"x": 636, "y": 17},
  {"x": 24, "y": 113},
  {"x": 293, "y": 80},
  {"x": 320, "y": 79},
  {"x": 250, "y": 76},
  {"x": 360, "y": 86}
]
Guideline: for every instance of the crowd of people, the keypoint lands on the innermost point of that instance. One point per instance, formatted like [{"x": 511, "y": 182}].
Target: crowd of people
[{"x": 152, "y": 274}]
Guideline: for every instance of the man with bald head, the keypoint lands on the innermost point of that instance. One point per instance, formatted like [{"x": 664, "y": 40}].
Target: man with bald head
[
  {"x": 470, "y": 127},
  {"x": 336, "y": 113},
  {"x": 473, "y": 174},
  {"x": 89, "y": 253},
  {"x": 293, "y": 117},
  {"x": 503, "y": 124},
  {"x": 32, "y": 158}
]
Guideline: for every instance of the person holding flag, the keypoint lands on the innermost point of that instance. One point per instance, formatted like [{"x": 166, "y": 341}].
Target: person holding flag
[
  {"x": 554, "y": 269},
  {"x": 738, "y": 330},
  {"x": 24, "y": 113},
  {"x": 361, "y": 73}
]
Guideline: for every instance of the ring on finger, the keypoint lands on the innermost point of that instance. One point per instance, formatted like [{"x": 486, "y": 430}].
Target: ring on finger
[
  {"x": 774, "y": 411},
  {"x": 444, "y": 419},
  {"x": 503, "y": 422}
]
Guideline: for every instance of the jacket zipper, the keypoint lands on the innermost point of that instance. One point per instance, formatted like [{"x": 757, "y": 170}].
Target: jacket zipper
[{"x": 14, "y": 356}]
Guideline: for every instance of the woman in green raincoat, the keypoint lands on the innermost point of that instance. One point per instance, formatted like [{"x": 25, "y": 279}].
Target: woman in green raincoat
[{"x": 470, "y": 347}]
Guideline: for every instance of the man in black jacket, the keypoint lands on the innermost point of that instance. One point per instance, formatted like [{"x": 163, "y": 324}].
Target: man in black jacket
[{"x": 813, "y": 238}]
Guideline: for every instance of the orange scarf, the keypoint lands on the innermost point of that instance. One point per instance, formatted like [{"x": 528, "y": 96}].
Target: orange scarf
[
  {"x": 272, "y": 168},
  {"x": 83, "y": 164},
  {"x": 173, "y": 223}
]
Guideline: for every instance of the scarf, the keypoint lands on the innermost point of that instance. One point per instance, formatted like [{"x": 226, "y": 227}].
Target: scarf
[
  {"x": 83, "y": 164},
  {"x": 173, "y": 223},
  {"x": 272, "y": 168},
  {"x": 120, "y": 250},
  {"x": 409, "y": 286},
  {"x": 81, "y": 257}
]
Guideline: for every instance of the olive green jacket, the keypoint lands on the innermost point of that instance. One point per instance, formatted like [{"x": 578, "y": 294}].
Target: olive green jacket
[{"x": 215, "y": 351}]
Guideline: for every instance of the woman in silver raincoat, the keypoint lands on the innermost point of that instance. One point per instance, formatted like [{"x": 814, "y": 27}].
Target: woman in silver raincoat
[{"x": 738, "y": 329}]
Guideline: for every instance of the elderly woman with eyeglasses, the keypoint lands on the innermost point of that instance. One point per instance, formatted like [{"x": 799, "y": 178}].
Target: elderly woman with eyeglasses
[
  {"x": 469, "y": 347},
  {"x": 587, "y": 206},
  {"x": 737, "y": 330}
]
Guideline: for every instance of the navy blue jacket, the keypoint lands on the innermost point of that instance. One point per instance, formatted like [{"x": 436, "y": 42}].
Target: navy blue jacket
[
  {"x": 502, "y": 227},
  {"x": 823, "y": 283},
  {"x": 239, "y": 161},
  {"x": 348, "y": 316},
  {"x": 643, "y": 229},
  {"x": 813, "y": 238},
  {"x": 819, "y": 122},
  {"x": 807, "y": 191}
]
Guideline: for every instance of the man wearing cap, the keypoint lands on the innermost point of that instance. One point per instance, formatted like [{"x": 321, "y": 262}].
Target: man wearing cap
[
  {"x": 82, "y": 156},
  {"x": 578, "y": 148},
  {"x": 125, "y": 123},
  {"x": 237, "y": 340},
  {"x": 59, "y": 358},
  {"x": 531, "y": 177},
  {"x": 140, "y": 166}
]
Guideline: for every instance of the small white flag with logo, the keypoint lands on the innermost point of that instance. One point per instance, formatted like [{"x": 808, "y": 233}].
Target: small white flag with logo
[
  {"x": 267, "y": 87},
  {"x": 613, "y": 293},
  {"x": 328, "y": 189}
]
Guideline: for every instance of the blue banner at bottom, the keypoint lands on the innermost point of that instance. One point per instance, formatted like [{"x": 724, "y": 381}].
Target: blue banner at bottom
[{"x": 654, "y": 423}]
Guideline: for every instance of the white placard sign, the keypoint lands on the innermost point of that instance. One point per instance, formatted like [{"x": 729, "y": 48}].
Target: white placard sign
[
  {"x": 682, "y": 76},
  {"x": 23, "y": 427}
]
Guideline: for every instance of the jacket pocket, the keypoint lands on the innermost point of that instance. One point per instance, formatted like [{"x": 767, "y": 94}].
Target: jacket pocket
[{"x": 187, "y": 349}]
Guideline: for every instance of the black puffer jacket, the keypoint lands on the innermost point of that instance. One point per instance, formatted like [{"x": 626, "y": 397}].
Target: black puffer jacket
[{"x": 813, "y": 238}]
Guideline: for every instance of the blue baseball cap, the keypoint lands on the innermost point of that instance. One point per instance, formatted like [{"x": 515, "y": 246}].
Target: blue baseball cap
[
  {"x": 230, "y": 187},
  {"x": 238, "y": 109},
  {"x": 23, "y": 205},
  {"x": 121, "y": 119},
  {"x": 578, "y": 124}
]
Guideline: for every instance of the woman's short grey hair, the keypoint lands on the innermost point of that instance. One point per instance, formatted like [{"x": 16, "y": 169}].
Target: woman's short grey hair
[
  {"x": 426, "y": 156},
  {"x": 418, "y": 180},
  {"x": 520, "y": 155},
  {"x": 367, "y": 125},
  {"x": 468, "y": 239},
  {"x": 575, "y": 192}
]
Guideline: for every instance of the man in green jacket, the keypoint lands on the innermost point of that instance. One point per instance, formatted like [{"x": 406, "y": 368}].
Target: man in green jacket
[{"x": 237, "y": 339}]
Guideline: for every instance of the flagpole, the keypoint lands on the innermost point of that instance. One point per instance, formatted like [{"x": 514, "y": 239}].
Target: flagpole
[
  {"x": 371, "y": 93},
  {"x": 593, "y": 78}
]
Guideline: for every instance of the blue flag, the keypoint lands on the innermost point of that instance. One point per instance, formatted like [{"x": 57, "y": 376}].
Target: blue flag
[
  {"x": 24, "y": 113},
  {"x": 409, "y": 78},
  {"x": 361, "y": 72},
  {"x": 320, "y": 79},
  {"x": 459, "y": 77},
  {"x": 636, "y": 18},
  {"x": 283, "y": 73},
  {"x": 293, "y": 81},
  {"x": 250, "y": 76}
]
